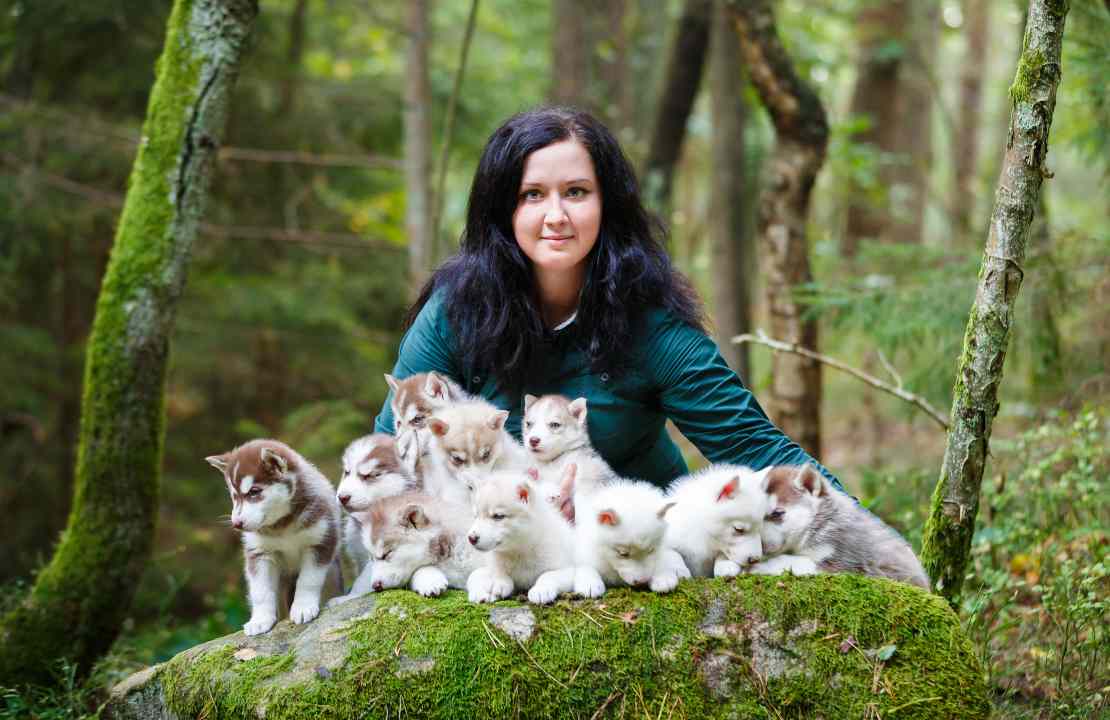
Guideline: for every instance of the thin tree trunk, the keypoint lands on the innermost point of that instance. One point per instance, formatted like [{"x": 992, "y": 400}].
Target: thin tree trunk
[
  {"x": 418, "y": 101},
  {"x": 881, "y": 29},
  {"x": 801, "y": 132},
  {"x": 955, "y": 504},
  {"x": 292, "y": 70},
  {"x": 733, "y": 256},
  {"x": 966, "y": 145},
  {"x": 79, "y": 601},
  {"x": 676, "y": 100},
  {"x": 1046, "y": 366},
  {"x": 570, "y": 51}
]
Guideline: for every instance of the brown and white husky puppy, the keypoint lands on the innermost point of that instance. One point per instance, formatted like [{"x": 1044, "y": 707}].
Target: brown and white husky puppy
[
  {"x": 555, "y": 435},
  {"x": 414, "y": 400},
  {"x": 468, "y": 437},
  {"x": 289, "y": 518},
  {"x": 371, "y": 470},
  {"x": 418, "y": 540},
  {"x": 812, "y": 527}
]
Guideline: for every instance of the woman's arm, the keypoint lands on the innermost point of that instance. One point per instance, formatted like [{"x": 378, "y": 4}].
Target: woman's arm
[
  {"x": 428, "y": 345},
  {"x": 708, "y": 402}
]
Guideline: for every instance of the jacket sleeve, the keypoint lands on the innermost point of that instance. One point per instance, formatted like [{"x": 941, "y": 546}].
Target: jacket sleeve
[
  {"x": 709, "y": 404},
  {"x": 428, "y": 345}
]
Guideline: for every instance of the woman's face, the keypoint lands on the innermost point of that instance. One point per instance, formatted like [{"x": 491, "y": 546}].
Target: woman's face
[{"x": 558, "y": 211}]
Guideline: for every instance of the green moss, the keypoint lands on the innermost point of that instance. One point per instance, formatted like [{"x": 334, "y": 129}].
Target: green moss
[
  {"x": 1028, "y": 73},
  {"x": 754, "y": 647}
]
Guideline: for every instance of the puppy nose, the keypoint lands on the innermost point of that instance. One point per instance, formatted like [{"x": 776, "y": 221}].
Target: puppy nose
[
  {"x": 237, "y": 524},
  {"x": 473, "y": 538},
  {"x": 377, "y": 586},
  {"x": 534, "y": 441},
  {"x": 344, "y": 499}
]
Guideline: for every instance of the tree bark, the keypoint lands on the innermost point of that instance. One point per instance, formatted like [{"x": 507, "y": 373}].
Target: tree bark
[
  {"x": 676, "y": 100},
  {"x": 79, "y": 601},
  {"x": 570, "y": 53},
  {"x": 881, "y": 32},
  {"x": 1046, "y": 366},
  {"x": 801, "y": 132},
  {"x": 292, "y": 71},
  {"x": 955, "y": 503},
  {"x": 733, "y": 255},
  {"x": 418, "y": 101},
  {"x": 966, "y": 147}
]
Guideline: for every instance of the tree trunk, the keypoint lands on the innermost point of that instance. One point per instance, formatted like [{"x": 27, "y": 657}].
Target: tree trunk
[
  {"x": 676, "y": 100},
  {"x": 881, "y": 30},
  {"x": 418, "y": 101},
  {"x": 966, "y": 146},
  {"x": 955, "y": 504},
  {"x": 79, "y": 601},
  {"x": 733, "y": 256},
  {"x": 801, "y": 132},
  {"x": 1046, "y": 366},
  {"x": 293, "y": 58},
  {"x": 570, "y": 53}
]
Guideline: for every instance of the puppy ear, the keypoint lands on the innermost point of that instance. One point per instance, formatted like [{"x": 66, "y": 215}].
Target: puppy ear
[
  {"x": 413, "y": 516},
  {"x": 663, "y": 510},
  {"x": 435, "y": 387},
  {"x": 497, "y": 420},
  {"x": 764, "y": 478},
  {"x": 566, "y": 484},
  {"x": 391, "y": 382},
  {"x": 608, "y": 517},
  {"x": 219, "y": 461},
  {"x": 529, "y": 401},
  {"x": 438, "y": 427},
  {"x": 524, "y": 492},
  {"x": 729, "y": 489},
  {"x": 274, "y": 461},
  {"x": 810, "y": 481},
  {"x": 577, "y": 410}
]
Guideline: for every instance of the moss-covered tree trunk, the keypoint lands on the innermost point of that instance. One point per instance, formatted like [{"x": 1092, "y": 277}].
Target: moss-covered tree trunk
[
  {"x": 801, "y": 135},
  {"x": 955, "y": 504},
  {"x": 80, "y": 599}
]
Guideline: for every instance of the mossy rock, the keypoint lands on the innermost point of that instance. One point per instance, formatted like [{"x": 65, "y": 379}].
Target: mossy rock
[{"x": 831, "y": 646}]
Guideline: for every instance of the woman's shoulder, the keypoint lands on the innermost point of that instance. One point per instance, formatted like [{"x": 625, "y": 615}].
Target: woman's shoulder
[{"x": 656, "y": 325}]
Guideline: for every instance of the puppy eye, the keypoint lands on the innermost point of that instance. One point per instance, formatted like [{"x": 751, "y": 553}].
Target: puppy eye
[
  {"x": 528, "y": 424},
  {"x": 484, "y": 454},
  {"x": 385, "y": 555},
  {"x": 738, "y": 531},
  {"x": 417, "y": 421},
  {"x": 457, "y": 460},
  {"x": 623, "y": 552},
  {"x": 776, "y": 515},
  {"x": 554, "y": 425},
  {"x": 254, "y": 491},
  {"x": 397, "y": 423},
  {"x": 497, "y": 516},
  {"x": 376, "y": 474}
]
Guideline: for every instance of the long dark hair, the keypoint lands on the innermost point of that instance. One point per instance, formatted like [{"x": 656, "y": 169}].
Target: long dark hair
[{"x": 490, "y": 294}]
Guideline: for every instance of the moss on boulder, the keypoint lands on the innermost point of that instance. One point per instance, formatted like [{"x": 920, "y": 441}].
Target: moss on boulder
[{"x": 831, "y": 646}]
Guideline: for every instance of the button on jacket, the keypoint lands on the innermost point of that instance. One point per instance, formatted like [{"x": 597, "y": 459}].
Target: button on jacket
[{"x": 672, "y": 371}]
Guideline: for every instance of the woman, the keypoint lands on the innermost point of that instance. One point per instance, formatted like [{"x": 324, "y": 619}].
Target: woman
[{"x": 561, "y": 286}]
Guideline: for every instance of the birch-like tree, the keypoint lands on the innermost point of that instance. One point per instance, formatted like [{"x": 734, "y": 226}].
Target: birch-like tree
[
  {"x": 418, "y": 150},
  {"x": 955, "y": 503},
  {"x": 80, "y": 599}
]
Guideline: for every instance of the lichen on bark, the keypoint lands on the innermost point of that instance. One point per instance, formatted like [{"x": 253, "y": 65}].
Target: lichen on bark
[{"x": 80, "y": 599}]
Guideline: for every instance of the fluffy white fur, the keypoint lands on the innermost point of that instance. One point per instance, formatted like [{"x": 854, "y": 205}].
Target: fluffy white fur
[
  {"x": 716, "y": 519},
  {"x": 468, "y": 437},
  {"x": 555, "y": 436},
  {"x": 526, "y": 541},
  {"x": 619, "y": 541}
]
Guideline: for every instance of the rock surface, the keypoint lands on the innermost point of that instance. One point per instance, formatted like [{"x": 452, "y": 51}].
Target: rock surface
[{"x": 825, "y": 646}]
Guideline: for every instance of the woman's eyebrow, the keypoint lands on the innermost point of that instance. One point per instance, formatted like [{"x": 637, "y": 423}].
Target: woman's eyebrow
[{"x": 537, "y": 183}]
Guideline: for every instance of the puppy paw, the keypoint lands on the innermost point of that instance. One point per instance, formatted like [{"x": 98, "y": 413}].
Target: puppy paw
[
  {"x": 259, "y": 624},
  {"x": 543, "y": 594},
  {"x": 303, "y": 612},
  {"x": 500, "y": 587},
  {"x": 588, "y": 583},
  {"x": 429, "y": 582},
  {"x": 725, "y": 568},
  {"x": 664, "y": 582}
]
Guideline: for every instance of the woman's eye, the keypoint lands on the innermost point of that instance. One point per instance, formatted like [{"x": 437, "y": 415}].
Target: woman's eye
[
  {"x": 576, "y": 192},
  {"x": 531, "y": 195},
  {"x": 554, "y": 425}
]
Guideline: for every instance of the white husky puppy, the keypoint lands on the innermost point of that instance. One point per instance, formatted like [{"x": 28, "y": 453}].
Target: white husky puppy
[
  {"x": 527, "y": 542},
  {"x": 715, "y": 521},
  {"x": 555, "y": 435},
  {"x": 619, "y": 541},
  {"x": 812, "y": 527},
  {"x": 371, "y": 470},
  {"x": 419, "y": 540},
  {"x": 290, "y": 522},
  {"x": 468, "y": 437}
]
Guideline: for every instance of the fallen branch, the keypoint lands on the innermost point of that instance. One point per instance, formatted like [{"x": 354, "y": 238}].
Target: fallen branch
[{"x": 897, "y": 391}]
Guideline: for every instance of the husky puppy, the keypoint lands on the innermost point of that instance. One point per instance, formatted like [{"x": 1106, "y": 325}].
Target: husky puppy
[
  {"x": 468, "y": 437},
  {"x": 527, "y": 543},
  {"x": 555, "y": 435},
  {"x": 289, "y": 518},
  {"x": 716, "y": 517},
  {"x": 814, "y": 528},
  {"x": 414, "y": 400},
  {"x": 619, "y": 541},
  {"x": 371, "y": 470},
  {"x": 420, "y": 540}
]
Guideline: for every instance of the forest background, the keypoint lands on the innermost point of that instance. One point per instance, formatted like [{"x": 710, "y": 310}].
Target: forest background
[{"x": 347, "y": 116}]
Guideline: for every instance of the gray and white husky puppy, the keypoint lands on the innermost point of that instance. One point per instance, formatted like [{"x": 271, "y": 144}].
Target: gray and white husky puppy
[
  {"x": 555, "y": 435},
  {"x": 419, "y": 540},
  {"x": 619, "y": 537},
  {"x": 527, "y": 543},
  {"x": 716, "y": 518},
  {"x": 811, "y": 527},
  {"x": 468, "y": 437},
  {"x": 371, "y": 470},
  {"x": 289, "y": 518}
]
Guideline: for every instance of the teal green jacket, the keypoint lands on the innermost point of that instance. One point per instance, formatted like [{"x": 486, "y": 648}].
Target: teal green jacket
[{"x": 674, "y": 371}]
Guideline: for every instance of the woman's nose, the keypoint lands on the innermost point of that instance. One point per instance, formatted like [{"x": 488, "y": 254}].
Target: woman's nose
[{"x": 555, "y": 213}]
